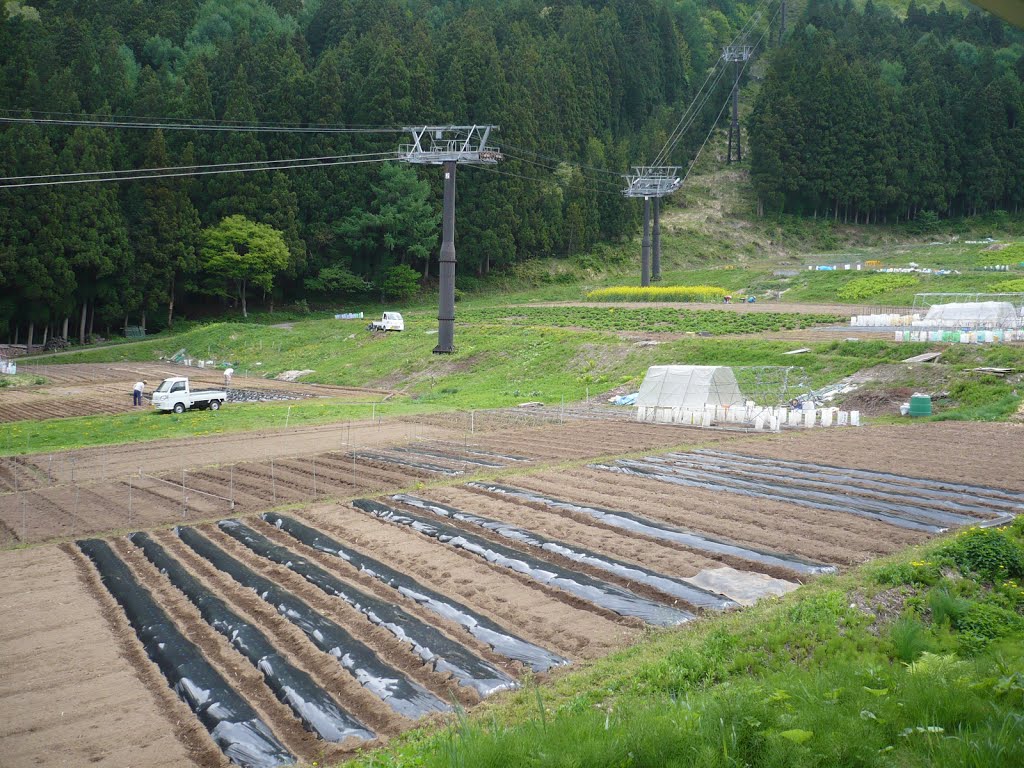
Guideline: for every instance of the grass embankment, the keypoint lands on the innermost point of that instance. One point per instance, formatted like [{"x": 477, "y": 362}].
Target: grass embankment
[
  {"x": 504, "y": 357},
  {"x": 22, "y": 437},
  {"x": 692, "y": 259},
  {"x": 913, "y": 661}
]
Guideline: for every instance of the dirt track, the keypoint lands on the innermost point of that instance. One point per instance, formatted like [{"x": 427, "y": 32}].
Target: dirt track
[{"x": 88, "y": 389}]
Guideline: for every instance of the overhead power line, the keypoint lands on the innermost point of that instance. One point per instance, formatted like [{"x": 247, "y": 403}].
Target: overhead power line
[
  {"x": 138, "y": 174},
  {"x": 168, "y": 124},
  {"x": 603, "y": 182},
  {"x": 562, "y": 160},
  {"x": 724, "y": 106}
]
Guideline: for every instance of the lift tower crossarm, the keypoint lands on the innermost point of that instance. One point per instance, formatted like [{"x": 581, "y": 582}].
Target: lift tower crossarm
[{"x": 439, "y": 144}]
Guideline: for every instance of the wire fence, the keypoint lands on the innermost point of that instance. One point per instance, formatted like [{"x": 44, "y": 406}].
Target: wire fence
[{"x": 69, "y": 494}]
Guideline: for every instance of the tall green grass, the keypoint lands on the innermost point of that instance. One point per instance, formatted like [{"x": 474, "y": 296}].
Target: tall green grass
[{"x": 814, "y": 679}]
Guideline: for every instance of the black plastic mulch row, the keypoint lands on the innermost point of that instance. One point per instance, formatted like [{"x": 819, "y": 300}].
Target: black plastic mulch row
[
  {"x": 813, "y": 489},
  {"x": 438, "y": 651},
  {"x": 997, "y": 497},
  {"x": 498, "y": 638},
  {"x": 773, "y": 495},
  {"x": 406, "y": 697},
  {"x": 409, "y": 464},
  {"x": 600, "y": 593},
  {"x": 448, "y": 457},
  {"x": 695, "y": 596},
  {"x": 292, "y": 686},
  {"x": 658, "y": 530},
  {"x": 233, "y": 724}
]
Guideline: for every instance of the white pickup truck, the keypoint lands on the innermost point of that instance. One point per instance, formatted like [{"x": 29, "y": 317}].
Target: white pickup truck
[
  {"x": 391, "y": 321},
  {"x": 174, "y": 394}
]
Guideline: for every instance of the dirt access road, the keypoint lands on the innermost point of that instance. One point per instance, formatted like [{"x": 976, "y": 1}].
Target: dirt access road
[{"x": 88, "y": 389}]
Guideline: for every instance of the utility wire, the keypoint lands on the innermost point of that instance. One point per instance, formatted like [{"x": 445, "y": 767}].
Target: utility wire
[
  {"x": 271, "y": 166},
  {"x": 604, "y": 182},
  {"x": 491, "y": 169},
  {"x": 167, "y": 124},
  {"x": 192, "y": 167}
]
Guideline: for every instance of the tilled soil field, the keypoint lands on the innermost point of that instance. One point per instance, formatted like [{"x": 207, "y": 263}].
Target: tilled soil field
[
  {"x": 456, "y": 571},
  {"x": 86, "y": 492},
  {"x": 965, "y": 452},
  {"x": 84, "y": 389}
]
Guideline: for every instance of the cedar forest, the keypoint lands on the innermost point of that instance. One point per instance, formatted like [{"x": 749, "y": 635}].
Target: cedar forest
[{"x": 860, "y": 115}]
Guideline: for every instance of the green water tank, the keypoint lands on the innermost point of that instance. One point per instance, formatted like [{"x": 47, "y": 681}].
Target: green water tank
[{"x": 921, "y": 405}]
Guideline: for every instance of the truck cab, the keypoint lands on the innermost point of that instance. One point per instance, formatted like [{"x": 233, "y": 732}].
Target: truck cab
[{"x": 175, "y": 394}]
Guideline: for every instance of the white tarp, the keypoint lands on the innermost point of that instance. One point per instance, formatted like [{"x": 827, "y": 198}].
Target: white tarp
[
  {"x": 972, "y": 314},
  {"x": 689, "y": 386}
]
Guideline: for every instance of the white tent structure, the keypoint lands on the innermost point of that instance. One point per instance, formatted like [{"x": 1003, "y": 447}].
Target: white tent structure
[
  {"x": 973, "y": 314},
  {"x": 689, "y": 394}
]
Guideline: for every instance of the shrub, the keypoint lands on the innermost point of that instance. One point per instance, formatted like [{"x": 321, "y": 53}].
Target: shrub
[
  {"x": 983, "y": 623},
  {"x": 336, "y": 279},
  {"x": 987, "y": 552},
  {"x": 873, "y": 285},
  {"x": 921, "y": 572},
  {"x": 659, "y": 293},
  {"x": 400, "y": 282},
  {"x": 1009, "y": 286}
]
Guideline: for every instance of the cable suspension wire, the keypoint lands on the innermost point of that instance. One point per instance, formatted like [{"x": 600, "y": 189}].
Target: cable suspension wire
[
  {"x": 724, "y": 106},
  {"x": 107, "y": 116},
  {"x": 717, "y": 71},
  {"x": 603, "y": 182},
  {"x": 679, "y": 129},
  {"x": 616, "y": 174},
  {"x": 192, "y": 167},
  {"x": 167, "y": 124},
  {"x": 492, "y": 169},
  {"x": 690, "y": 117},
  {"x": 271, "y": 165}
]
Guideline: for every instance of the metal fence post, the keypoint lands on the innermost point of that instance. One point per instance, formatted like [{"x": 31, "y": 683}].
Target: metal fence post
[
  {"x": 231, "y": 485},
  {"x": 129, "y": 501}
]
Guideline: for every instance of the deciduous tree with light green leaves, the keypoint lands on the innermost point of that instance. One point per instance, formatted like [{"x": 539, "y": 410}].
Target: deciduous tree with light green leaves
[{"x": 237, "y": 253}]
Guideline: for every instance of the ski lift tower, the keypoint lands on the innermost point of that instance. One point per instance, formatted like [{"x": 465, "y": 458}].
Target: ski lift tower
[
  {"x": 652, "y": 181},
  {"x": 448, "y": 146},
  {"x": 738, "y": 54}
]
